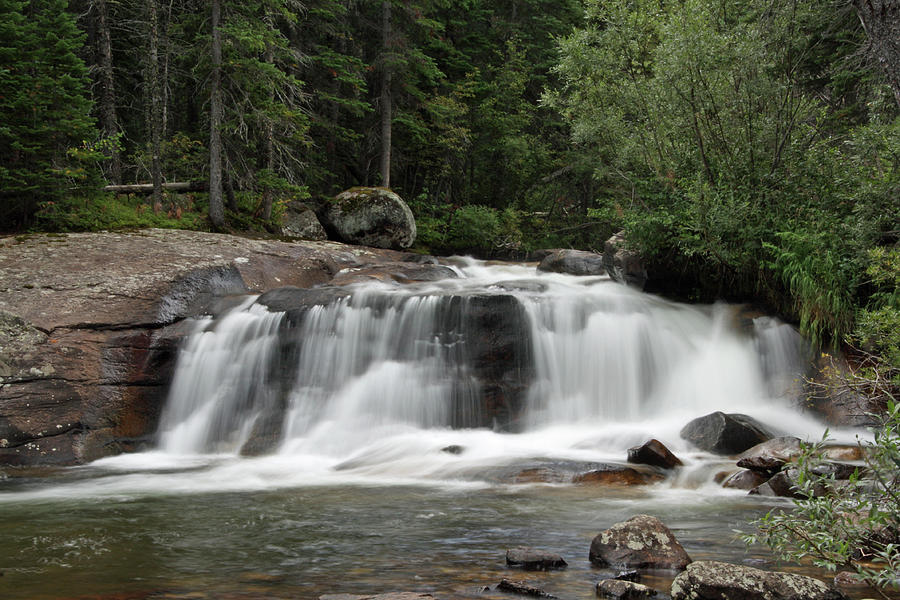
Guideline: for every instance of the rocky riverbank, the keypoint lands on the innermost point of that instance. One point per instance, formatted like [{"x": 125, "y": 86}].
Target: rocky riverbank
[{"x": 90, "y": 322}]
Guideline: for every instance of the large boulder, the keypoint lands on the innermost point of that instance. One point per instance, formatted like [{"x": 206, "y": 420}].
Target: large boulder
[
  {"x": 622, "y": 264},
  {"x": 722, "y": 433},
  {"x": 369, "y": 217},
  {"x": 573, "y": 262},
  {"x": 712, "y": 580},
  {"x": 641, "y": 542},
  {"x": 300, "y": 221}
]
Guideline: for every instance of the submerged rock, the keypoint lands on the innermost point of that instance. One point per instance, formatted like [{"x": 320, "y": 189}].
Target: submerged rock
[
  {"x": 653, "y": 453},
  {"x": 641, "y": 542},
  {"x": 624, "y": 590},
  {"x": 722, "y": 433},
  {"x": 523, "y": 588},
  {"x": 534, "y": 560},
  {"x": 712, "y": 580},
  {"x": 388, "y": 596},
  {"x": 370, "y": 217}
]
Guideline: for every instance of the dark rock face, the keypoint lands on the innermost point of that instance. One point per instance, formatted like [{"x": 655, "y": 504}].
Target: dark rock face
[
  {"x": 370, "y": 217},
  {"x": 530, "y": 559},
  {"x": 641, "y": 542},
  {"x": 623, "y": 265},
  {"x": 711, "y": 580},
  {"x": 573, "y": 262},
  {"x": 722, "y": 433},
  {"x": 653, "y": 453},
  {"x": 624, "y": 590},
  {"x": 300, "y": 221}
]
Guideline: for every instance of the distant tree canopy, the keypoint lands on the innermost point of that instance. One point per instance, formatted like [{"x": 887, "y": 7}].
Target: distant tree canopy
[{"x": 750, "y": 150}]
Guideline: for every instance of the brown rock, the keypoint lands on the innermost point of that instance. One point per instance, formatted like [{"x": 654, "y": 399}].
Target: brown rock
[
  {"x": 653, "y": 453},
  {"x": 744, "y": 480},
  {"x": 642, "y": 542},
  {"x": 617, "y": 475}
]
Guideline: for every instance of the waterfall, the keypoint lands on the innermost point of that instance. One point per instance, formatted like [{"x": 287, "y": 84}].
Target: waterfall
[{"x": 501, "y": 349}]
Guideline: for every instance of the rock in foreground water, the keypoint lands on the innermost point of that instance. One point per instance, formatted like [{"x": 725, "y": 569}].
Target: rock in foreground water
[
  {"x": 641, "y": 542},
  {"x": 653, "y": 453},
  {"x": 534, "y": 560},
  {"x": 624, "y": 590},
  {"x": 712, "y": 580}
]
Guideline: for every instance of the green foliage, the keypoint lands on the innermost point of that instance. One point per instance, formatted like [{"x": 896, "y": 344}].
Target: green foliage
[
  {"x": 852, "y": 525},
  {"x": 44, "y": 109},
  {"x": 107, "y": 212},
  {"x": 746, "y": 150}
]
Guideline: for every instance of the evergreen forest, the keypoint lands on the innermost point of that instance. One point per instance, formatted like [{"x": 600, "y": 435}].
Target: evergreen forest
[{"x": 749, "y": 149}]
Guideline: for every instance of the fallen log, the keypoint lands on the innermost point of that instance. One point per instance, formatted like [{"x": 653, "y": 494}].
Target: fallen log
[{"x": 147, "y": 188}]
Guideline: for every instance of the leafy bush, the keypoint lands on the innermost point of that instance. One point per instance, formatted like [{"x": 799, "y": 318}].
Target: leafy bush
[
  {"x": 111, "y": 212},
  {"x": 852, "y": 525}
]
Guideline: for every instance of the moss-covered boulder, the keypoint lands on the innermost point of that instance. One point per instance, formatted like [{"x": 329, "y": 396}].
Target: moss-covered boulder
[{"x": 369, "y": 216}]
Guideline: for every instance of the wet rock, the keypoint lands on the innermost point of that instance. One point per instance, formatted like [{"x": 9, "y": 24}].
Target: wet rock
[
  {"x": 453, "y": 449},
  {"x": 523, "y": 588},
  {"x": 837, "y": 470},
  {"x": 298, "y": 300},
  {"x": 722, "y": 433},
  {"x": 388, "y": 596},
  {"x": 622, "y": 264},
  {"x": 534, "y": 560},
  {"x": 653, "y": 453},
  {"x": 394, "y": 273},
  {"x": 624, "y": 590},
  {"x": 618, "y": 475},
  {"x": 844, "y": 452},
  {"x": 642, "y": 542},
  {"x": 711, "y": 580},
  {"x": 300, "y": 221},
  {"x": 782, "y": 484},
  {"x": 88, "y": 341},
  {"x": 744, "y": 479},
  {"x": 783, "y": 448},
  {"x": 370, "y": 217},
  {"x": 627, "y": 576},
  {"x": 573, "y": 262},
  {"x": 847, "y": 579},
  {"x": 766, "y": 466}
]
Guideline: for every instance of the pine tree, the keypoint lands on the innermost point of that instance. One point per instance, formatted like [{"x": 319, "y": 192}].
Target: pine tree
[{"x": 44, "y": 106}]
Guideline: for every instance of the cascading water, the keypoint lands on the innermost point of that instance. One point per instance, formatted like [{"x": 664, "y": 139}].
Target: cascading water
[
  {"x": 377, "y": 438},
  {"x": 378, "y": 379}
]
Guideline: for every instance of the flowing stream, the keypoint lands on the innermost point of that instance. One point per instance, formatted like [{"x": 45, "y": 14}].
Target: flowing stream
[{"x": 376, "y": 443}]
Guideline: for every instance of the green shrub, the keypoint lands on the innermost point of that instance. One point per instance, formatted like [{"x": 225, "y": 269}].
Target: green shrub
[{"x": 852, "y": 525}]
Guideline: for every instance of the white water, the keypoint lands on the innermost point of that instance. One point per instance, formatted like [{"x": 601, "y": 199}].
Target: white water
[{"x": 378, "y": 387}]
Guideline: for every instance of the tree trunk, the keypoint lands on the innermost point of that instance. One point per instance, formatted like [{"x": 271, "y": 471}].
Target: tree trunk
[
  {"x": 386, "y": 76},
  {"x": 216, "y": 204},
  {"x": 269, "y": 147},
  {"x": 154, "y": 87},
  {"x": 108, "y": 118},
  {"x": 881, "y": 21}
]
